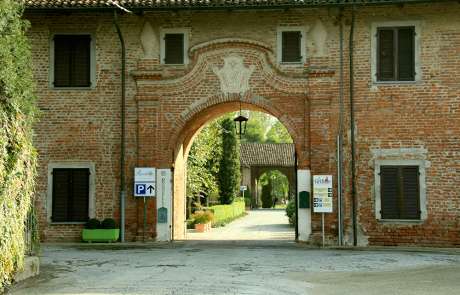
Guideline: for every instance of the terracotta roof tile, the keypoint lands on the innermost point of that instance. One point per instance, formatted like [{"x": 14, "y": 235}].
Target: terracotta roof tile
[
  {"x": 177, "y": 4},
  {"x": 267, "y": 154}
]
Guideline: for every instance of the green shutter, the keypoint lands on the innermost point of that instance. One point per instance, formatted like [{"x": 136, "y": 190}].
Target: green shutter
[
  {"x": 389, "y": 192},
  {"x": 385, "y": 55},
  {"x": 291, "y": 46},
  {"x": 411, "y": 193},
  {"x": 406, "y": 54},
  {"x": 72, "y": 61},
  {"x": 174, "y": 48}
]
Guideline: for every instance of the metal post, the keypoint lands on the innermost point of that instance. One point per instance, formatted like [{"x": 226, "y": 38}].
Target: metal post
[
  {"x": 322, "y": 227},
  {"x": 145, "y": 220}
]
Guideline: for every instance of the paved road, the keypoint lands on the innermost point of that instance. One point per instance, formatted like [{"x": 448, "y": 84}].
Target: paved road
[
  {"x": 257, "y": 225},
  {"x": 224, "y": 268}
]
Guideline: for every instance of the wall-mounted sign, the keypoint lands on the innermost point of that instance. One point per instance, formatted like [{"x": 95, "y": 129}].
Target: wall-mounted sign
[
  {"x": 322, "y": 193},
  {"x": 144, "y": 182}
]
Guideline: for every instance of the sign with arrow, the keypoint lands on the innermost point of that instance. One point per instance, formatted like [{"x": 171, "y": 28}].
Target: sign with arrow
[{"x": 144, "y": 182}]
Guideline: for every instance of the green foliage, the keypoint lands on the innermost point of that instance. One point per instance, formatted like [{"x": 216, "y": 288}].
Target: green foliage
[
  {"x": 278, "y": 134},
  {"x": 224, "y": 214},
  {"x": 17, "y": 155},
  {"x": 267, "y": 197},
  {"x": 279, "y": 181},
  {"x": 290, "y": 212},
  {"x": 229, "y": 168},
  {"x": 93, "y": 223},
  {"x": 202, "y": 217},
  {"x": 264, "y": 128},
  {"x": 203, "y": 162},
  {"x": 109, "y": 223}
]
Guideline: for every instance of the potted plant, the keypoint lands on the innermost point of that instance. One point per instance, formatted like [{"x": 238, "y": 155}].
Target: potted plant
[
  {"x": 96, "y": 231},
  {"x": 202, "y": 220}
]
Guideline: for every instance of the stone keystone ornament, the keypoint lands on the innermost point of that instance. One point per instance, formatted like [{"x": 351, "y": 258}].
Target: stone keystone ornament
[{"x": 234, "y": 76}]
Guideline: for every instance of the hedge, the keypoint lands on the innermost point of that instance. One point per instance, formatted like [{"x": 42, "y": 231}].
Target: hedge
[
  {"x": 17, "y": 155},
  {"x": 224, "y": 214}
]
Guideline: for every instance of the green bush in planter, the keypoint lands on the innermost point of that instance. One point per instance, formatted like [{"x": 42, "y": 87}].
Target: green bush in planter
[
  {"x": 109, "y": 223},
  {"x": 202, "y": 217},
  {"x": 290, "y": 211},
  {"x": 95, "y": 231},
  {"x": 93, "y": 223}
]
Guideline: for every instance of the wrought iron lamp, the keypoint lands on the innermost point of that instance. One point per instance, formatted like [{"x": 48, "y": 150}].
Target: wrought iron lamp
[{"x": 240, "y": 123}]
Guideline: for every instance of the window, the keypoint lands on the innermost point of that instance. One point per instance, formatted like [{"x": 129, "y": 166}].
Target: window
[
  {"x": 70, "y": 194},
  {"x": 399, "y": 192},
  {"x": 72, "y": 61},
  {"x": 291, "y": 45},
  {"x": 174, "y": 46}
]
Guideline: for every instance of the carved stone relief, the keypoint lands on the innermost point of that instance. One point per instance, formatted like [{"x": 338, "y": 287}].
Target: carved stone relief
[
  {"x": 234, "y": 76},
  {"x": 150, "y": 41}
]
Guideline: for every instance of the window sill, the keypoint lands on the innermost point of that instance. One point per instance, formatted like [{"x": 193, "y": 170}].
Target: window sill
[
  {"x": 72, "y": 88},
  {"x": 68, "y": 223},
  {"x": 384, "y": 83},
  {"x": 401, "y": 221}
]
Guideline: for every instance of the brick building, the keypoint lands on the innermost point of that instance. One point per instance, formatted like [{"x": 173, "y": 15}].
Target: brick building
[{"x": 381, "y": 75}]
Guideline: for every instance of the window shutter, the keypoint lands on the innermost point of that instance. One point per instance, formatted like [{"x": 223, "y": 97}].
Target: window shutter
[
  {"x": 385, "y": 55},
  {"x": 389, "y": 192},
  {"x": 80, "y": 194},
  {"x": 72, "y": 60},
  {"x": 291, "y": 43},
  {"x": 406, "y": 54},
  {"x": 70, "y": 195},
  {"x": 81, "y": 62},
  {"x": 62, "y": 62},
  {"x": 411, "y": 195},
  {"x": 61, "y": 179},
  {"x": 174, "y": 48}
]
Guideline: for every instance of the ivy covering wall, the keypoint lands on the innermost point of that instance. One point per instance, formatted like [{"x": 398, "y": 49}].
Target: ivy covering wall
[{"x": 17, "y": 155}]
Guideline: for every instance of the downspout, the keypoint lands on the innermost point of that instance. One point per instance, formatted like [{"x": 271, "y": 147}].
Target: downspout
[
  {"x": 122, "y": 140},
  {"x": 340, "y": 137},
  {"x": 352, "y": 130}
]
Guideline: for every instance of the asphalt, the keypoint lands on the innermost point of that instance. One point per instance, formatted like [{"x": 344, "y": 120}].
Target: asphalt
[{"x": 241, "y": 266}]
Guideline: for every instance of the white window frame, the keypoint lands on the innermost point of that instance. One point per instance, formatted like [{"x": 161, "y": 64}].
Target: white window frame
[
  {"x": 417, "y": 49},
  {"x": 92, "y": 188},
  {"x": 279, "y": 44},
  {"x": 422, "y": 188},
  {"x": 185, "y": 32},
  {"x": 92, "y": 61}
]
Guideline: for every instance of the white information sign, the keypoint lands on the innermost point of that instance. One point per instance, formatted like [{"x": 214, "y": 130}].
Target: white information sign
[
  {"x": 322, "y": 193},
  {"x": 243, "y": 188},
  {"x": 144, "y": 182}
]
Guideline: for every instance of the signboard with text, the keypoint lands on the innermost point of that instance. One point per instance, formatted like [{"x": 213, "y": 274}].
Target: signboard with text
[
  {"x": 322, "y": 193},
  {"x": 144, "y": 182}
]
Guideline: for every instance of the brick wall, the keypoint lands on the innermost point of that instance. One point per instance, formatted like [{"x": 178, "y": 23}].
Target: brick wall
[{"x": 166, "y": 105}]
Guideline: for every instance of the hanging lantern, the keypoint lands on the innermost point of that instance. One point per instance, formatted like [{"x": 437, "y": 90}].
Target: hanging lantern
[{"x": 240, "y": 124}]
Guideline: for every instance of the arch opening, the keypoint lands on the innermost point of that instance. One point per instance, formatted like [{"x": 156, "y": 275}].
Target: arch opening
[{"x": 182, "y": 147}]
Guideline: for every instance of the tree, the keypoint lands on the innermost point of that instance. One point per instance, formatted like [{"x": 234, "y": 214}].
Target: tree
[
  {"x": 17, "y": 155},
  {"x": 203, "y": 164},
  {"x": 267, "y": 197},
  {"x": 278, "y": 134},
  {"x": 229, "y": 168}
]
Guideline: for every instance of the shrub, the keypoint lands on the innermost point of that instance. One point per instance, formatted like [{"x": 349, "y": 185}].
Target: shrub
[
  {"x": 109, "y": 223},
  {"x": 203, "y": 217},
  {"x": 267, "y": 198},
  {"x": 93, "y": 223},
  {"x": 224, "y": 214},
  {"x": 290, "y": 212}
]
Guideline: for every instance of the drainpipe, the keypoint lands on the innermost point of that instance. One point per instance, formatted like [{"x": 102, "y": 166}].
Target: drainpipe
[
  {"x": 122, "y": 143},
  {"x": 340, "y": 136},
  {"x": 352, "y": 130}
]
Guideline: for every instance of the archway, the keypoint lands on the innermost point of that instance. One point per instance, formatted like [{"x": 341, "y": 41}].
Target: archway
[{"x": 183, "y": 144}]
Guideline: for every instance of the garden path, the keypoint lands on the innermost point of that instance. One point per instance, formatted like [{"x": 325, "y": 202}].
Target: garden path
[{"x": 261, "y": 224}]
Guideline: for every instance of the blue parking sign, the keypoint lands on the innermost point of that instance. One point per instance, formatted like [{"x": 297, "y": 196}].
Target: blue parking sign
[{"x": 140, "y": 189}]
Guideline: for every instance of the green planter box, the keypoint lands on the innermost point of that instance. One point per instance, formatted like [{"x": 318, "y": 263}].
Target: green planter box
[{"x": 100, "y": 235}]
